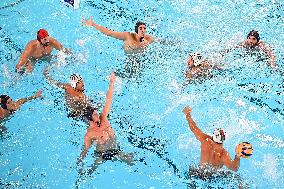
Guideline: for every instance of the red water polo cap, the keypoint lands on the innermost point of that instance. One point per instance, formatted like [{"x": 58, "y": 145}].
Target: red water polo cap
[{"x": 42, "y": 33}]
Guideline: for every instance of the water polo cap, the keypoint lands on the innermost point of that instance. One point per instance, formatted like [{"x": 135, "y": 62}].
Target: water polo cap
[{"x": 219, "y": 136}]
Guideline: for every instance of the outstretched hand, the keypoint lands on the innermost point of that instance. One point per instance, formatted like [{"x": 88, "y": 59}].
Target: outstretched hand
[
  {"x": 187, "y": 110},
  {"x": 86, "y": 22},
  {"x": 38, "y": 94}
]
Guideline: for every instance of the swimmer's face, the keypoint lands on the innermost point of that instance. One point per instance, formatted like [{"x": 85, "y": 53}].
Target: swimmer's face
[
  {"x": 45, "y": 41},
  {"x": 9, "y": 104},
  {"x": 95, "y": 117},
  {"x": 80, "y": 85},
  {"x": 251, "y": 41},
  {"x": 142, "y": 30}
]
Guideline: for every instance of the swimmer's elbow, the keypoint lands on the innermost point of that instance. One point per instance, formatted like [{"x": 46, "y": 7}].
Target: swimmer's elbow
[
  {"x": 234, "y": 168},
  {"x": 109, "y": 33}
]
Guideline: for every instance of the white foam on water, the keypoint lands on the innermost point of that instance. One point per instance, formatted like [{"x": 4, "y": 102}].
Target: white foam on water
[
  {"x": 242, "y": 126},
  {"x": 269, "y": 141},
  {"x": 270, "y": 167},
  {"x": 81, "y": 57},
  {"x": 61, "y": 58},
  {"x": 185, "y": 142},
  {"x": 83, "y": 41},
  {"x": 240, "y": 102}
]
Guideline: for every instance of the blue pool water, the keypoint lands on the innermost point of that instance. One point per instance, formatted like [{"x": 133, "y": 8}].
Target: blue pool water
[{"x": 40, "y": 145}]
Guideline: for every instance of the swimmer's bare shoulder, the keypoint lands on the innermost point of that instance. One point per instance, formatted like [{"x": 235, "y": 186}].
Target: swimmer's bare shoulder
[
  {"x": 30, "y": 47},
  {"x": 55, "y": 44}
]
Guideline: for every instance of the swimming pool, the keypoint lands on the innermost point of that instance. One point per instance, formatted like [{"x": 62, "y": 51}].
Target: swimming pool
[{"x": 40, "y": 145}]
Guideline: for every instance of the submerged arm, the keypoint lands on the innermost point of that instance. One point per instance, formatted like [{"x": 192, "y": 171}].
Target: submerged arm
[
  {"x": 269, "y": 52},
  {"x": 235, "y": 46},
  {"x": 86, "y": 147}
]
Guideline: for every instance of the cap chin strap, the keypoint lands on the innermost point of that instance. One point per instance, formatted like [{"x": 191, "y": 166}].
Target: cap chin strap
[
  {"x": 74, "y": 79},
  {"x": 141, "y": 39},
  {"x": 196, "y": 60},
  {"x": 73, "y": 84},
  {"x": 216, "y": 141}
]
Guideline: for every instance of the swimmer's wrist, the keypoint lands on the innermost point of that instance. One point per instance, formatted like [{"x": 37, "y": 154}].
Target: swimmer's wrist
[
  {"x": 188, "y": 114},
  {"x": 237, "y": 156},
  {"x": 93, "y": 24},
  {"x": 32, "y": 97}
]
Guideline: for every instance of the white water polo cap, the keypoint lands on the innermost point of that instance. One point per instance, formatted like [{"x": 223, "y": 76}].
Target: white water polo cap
[
  {"x": 219, "y": 136},
  {"x": 197, "y": 58},
  {"x": 74, "y": 79}
]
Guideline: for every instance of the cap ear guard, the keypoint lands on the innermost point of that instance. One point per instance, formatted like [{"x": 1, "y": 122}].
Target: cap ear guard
[
  {"x": 197, "y": 59},
  {"x": 219, "y": 136},
  {"x": 74, "y": 79}
]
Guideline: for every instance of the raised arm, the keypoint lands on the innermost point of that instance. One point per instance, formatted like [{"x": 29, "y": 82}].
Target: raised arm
[
  {"x": 114, "y": 34},
  {"x": 21, "y": 101},
  {"x": 109, "y": 96},
  {"x": 192, "y": 125},
  {"x": 24, "y": 57},
  {"x": 52, "y": 81},
  {"x": 234, "y": 165},
  {"x": 269, "y": 52}
]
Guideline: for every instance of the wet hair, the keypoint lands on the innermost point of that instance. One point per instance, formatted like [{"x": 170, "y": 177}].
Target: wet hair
[
  {"x": 88, "y": 113},
  {"x": 255, "y": 34},
  {"x": 138, "y": 24},
  {"x": 4, "y": 99}
]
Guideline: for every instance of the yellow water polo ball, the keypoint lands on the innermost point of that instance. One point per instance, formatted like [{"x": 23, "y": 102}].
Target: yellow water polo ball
[{"x": 244, "y": 150}]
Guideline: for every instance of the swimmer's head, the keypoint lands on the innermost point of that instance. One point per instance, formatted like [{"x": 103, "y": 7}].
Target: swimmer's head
[
  {"x": 91, "y": 114},
  {"x": 253, "y": 38},
  {"x": 140, "y": 28},
  {"x": 43, "y": 37},
  {"x": 197, "y": 58},
  {"x": 76, "y": 82},
  {"x": 219, "y": 136},
  {"x": 5, "y": 102}
]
